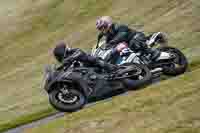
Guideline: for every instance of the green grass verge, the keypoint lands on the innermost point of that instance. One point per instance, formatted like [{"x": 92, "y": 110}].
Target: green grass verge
[{"x": 21, "y": 120}]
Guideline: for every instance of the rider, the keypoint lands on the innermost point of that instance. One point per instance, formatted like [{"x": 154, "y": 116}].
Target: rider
[
  {"x": 67, "y": 55},
  {"x": 115, "y": 34}
]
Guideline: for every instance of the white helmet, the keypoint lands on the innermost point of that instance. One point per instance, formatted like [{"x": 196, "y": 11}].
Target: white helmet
[{"x": 104, "y": 22}]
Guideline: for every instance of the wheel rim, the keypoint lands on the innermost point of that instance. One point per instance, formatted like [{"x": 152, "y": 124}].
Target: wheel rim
[
  {"x": 67, "y": 97},
  {"x": 176, "y": 62}
]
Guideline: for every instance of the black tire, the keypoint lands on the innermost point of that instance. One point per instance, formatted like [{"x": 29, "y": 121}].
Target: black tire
[
  {"x": 180, "y": 59},
  {"x": 59, "y": 105},
  {"x": 146, "y": 74}
]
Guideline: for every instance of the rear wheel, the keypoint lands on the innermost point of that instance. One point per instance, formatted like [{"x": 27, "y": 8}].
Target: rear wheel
[
  {"x": 179, "y": 64},
  {"x": 138, "y": 77},
  {"x": 67, "y": 100}
]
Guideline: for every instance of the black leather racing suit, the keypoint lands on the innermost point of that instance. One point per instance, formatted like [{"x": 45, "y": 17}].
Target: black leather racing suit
[
  {"x": 118, "y": 34},
  {"x": 122, "y": 33},
  {"x": 88, "y": 60},
  {"x": 79, "y": 55}
]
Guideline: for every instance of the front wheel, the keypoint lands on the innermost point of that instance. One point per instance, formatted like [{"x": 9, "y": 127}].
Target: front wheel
[
  {"x": 179, "y": 64},
  {"x": 67, "y": 101}
]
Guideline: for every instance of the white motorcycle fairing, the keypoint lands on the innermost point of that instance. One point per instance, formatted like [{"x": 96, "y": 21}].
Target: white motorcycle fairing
[{"x": 164, "y": 56}]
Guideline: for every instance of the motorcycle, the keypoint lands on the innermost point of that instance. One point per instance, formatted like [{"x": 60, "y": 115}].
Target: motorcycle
[
  {"x": 171, "y": 61},
  {"x": 70, "y": 88}
]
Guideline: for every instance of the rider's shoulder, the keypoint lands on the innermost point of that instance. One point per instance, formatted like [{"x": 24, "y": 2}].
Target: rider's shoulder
[{"x": 121, "y": 27}]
